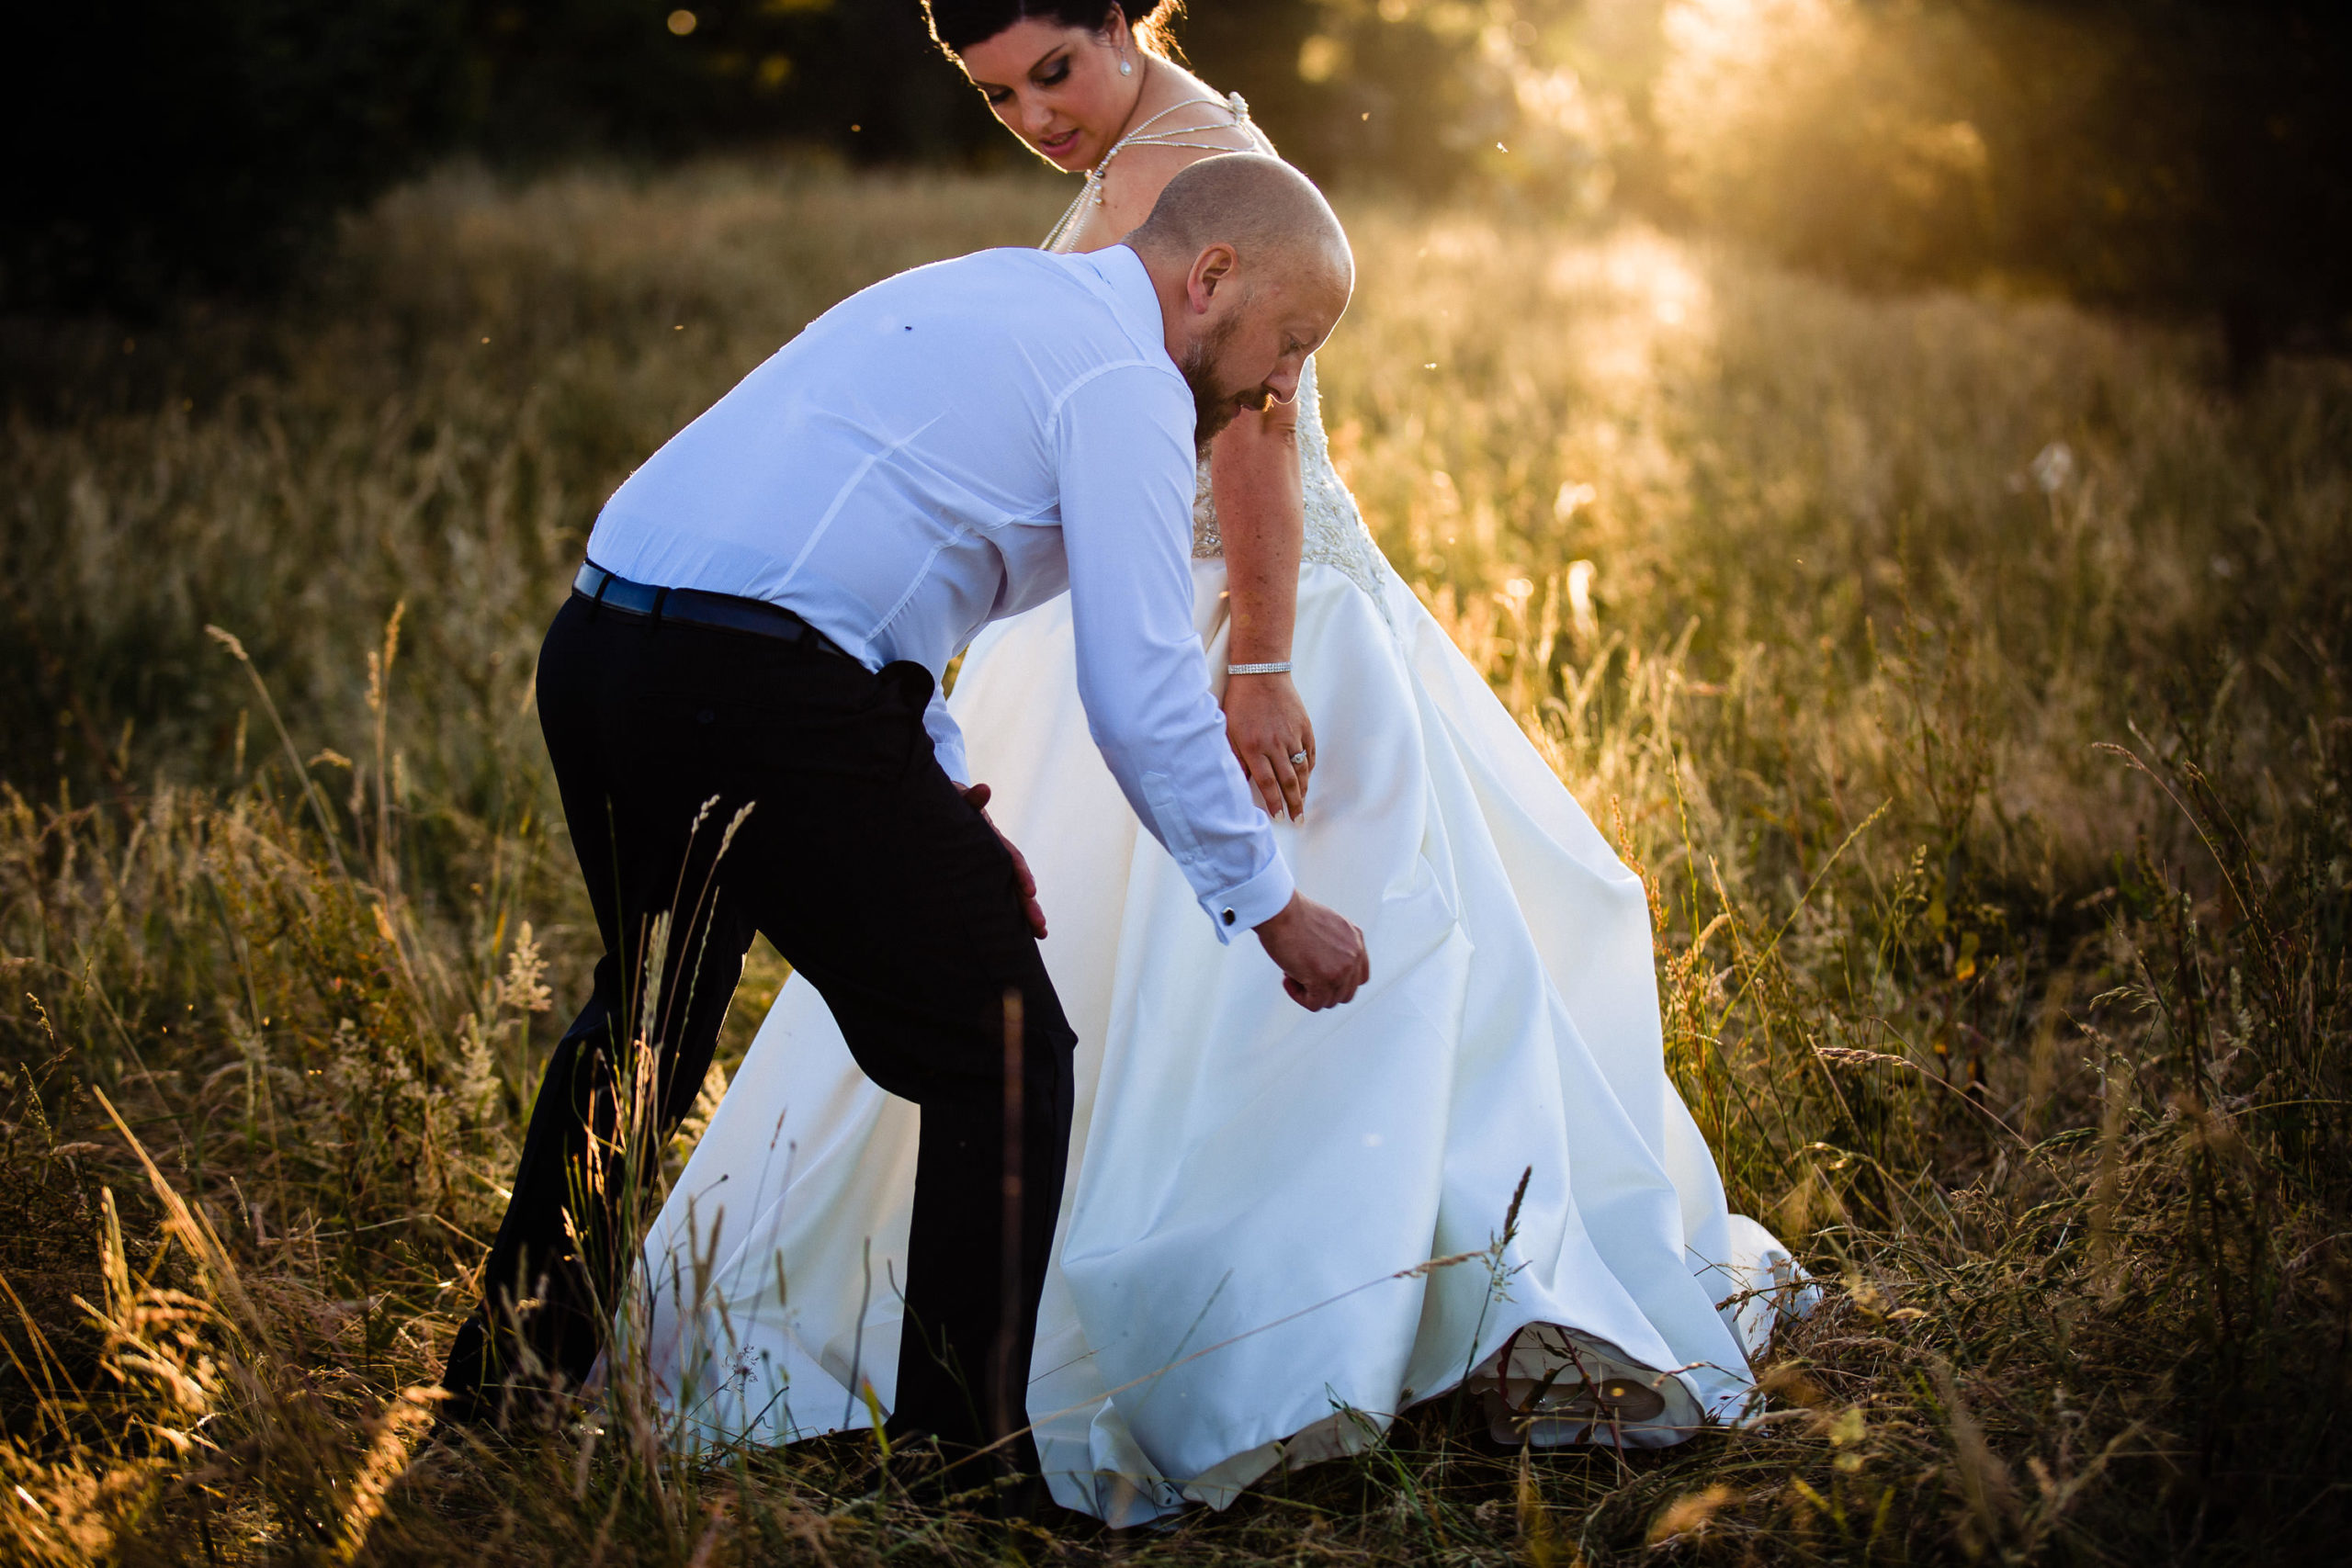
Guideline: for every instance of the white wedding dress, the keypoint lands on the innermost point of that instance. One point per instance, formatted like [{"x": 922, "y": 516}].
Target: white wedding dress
[{"x": 1252, "y": 1186}]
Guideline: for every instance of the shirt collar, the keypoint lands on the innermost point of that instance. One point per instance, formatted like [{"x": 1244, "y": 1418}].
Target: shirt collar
[{"x": 1121, "y": 278}]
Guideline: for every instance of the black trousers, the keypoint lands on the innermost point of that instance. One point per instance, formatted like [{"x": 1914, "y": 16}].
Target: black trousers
[{"x": 860, "y": 861}]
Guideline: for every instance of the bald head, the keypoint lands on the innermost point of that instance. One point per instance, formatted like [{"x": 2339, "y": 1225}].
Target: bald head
[
  {"x": 1272, "y": 216},
  {"x": 1252, "y": 272}
]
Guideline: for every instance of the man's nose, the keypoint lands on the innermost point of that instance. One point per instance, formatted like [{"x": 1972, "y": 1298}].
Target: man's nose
[{"x": 1283, "y": 382}]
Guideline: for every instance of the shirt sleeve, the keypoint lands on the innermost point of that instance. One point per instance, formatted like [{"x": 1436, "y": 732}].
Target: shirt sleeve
[
  {"x": 1125, "y": 446},
  {"x": 947, "y": 739}
]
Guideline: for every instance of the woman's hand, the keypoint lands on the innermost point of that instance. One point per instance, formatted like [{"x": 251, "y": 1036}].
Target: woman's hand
[{"x": 1266, "y": 725}]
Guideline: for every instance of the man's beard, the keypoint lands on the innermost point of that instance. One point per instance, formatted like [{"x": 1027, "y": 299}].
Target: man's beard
[{"x": 1213, "y": 406}]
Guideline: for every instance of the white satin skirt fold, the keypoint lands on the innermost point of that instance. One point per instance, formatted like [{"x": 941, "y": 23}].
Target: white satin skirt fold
[{"x": 1255, "y": 1189}]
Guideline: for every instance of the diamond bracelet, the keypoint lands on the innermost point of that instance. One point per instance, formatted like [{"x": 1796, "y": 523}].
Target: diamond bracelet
[{"x": 1280, "y": 668}]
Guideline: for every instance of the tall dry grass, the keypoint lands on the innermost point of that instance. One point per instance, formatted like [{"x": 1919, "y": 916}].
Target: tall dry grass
[{"x": 1966, "y": 676}]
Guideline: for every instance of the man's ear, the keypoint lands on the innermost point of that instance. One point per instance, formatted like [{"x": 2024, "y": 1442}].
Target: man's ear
[{"x": 1212, "y": 269}]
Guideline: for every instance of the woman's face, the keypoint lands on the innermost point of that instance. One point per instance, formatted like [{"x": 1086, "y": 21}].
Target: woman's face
[{"x": 1058, "y": 88}]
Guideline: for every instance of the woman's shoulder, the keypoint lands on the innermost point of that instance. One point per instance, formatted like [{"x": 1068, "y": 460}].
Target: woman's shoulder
[
  {"x": 1180, "y": 84},
  {"x": 1132, "y": 186},
  {"x": 1199, "y": 122}
]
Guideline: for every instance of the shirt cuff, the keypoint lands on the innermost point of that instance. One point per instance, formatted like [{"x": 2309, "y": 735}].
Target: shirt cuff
[{"x": 1251, "y": 904}]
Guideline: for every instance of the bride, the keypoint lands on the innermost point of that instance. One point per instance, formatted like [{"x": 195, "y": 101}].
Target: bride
[{"x": 1279, "y": 1227}]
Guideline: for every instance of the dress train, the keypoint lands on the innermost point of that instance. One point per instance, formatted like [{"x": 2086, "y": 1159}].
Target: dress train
[{"x": 1242, "y": 1275}]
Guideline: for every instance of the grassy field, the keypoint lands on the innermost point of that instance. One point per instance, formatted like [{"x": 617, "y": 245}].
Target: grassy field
[{"x": 1966, "y": 675}]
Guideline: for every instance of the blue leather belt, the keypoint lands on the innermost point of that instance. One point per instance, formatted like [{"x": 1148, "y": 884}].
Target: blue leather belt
[{"x": 696, "y": 608}]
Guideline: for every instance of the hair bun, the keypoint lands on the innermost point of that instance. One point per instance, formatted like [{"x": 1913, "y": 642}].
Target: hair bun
[{"x": 957, "y": 25}]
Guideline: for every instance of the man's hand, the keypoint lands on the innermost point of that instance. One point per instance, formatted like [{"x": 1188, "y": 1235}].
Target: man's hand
[
  {"x": 978, "y": 797},
  {"x": 1266, "y": 725},
  {"x": 1320, "y": 953}
]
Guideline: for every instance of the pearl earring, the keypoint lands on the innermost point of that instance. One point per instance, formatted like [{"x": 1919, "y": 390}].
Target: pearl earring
[{"x": 1126, "y": 66}]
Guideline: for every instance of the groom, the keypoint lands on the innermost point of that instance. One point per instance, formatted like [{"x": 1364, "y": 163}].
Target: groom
[{"x": 740, "y": 700}]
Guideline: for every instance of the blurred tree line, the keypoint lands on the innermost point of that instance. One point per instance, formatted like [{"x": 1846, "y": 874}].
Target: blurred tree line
[
  {"x": 2178, "y": 156},
  {"x": 177, "y": 146},
  {"x": 2173, "y": 156}
]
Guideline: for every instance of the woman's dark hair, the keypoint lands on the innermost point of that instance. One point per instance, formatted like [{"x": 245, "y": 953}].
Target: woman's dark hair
[{"x": 957, "y": 25}]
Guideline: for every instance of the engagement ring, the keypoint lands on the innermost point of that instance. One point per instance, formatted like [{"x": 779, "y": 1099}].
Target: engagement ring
[{"x": 1298, "y": 759}]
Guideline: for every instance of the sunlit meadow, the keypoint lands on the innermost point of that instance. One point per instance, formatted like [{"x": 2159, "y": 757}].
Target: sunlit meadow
[{"x": 1964, "y": 674}]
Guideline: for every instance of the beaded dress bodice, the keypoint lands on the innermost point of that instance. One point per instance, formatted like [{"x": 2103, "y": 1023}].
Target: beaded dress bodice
[{"x": 1335, "y": 535}]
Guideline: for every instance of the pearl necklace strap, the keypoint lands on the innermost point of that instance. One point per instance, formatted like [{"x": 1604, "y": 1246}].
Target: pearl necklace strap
[{"x": 1066, "y": 232}]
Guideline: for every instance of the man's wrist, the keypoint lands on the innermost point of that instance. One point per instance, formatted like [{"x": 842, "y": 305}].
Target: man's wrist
[{"x": 1280, "y": 917}]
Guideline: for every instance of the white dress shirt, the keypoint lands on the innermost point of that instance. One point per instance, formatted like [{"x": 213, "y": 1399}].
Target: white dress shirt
[{"x": 954, "y": 445}]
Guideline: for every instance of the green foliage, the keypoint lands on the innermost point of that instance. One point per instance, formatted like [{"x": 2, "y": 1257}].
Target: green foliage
[
  {"x": 179, "y": 149},
  {"x": 1824, "y": 603},
  {"x": 658, "y": 76},
  {"x": 2186, "y": 159},
  {"x": 2193, "y": 157},
  {"x": 2190, "y": 157},
  {"x": 168, "y": 145}
]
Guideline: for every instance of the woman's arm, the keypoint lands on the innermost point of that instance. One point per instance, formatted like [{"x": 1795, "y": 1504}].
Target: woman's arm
[{"x": 1262, "y": 515}]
